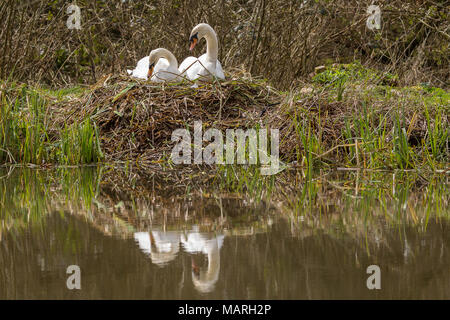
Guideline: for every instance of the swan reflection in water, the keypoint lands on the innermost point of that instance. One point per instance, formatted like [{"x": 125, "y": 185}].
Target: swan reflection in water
[
  {"x": 163, "y": 247},
  {"x": 195, "y": 242}
]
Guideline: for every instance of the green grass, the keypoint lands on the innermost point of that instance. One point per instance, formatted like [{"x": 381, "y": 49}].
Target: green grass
[
  {"x": 337, "y": 75},
  {"x": 378, "y": 125},
  {"x": 27, "y": 134},
  {"x": 79, "y": 144},
  {"x": 246, "y": 180},
  {"x": 27, "y": 194}
]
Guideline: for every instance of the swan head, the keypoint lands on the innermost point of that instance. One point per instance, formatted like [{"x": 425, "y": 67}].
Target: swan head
[
  {"x": 153, "y": 59},
  {"x": 199, "y": 31},
  {"x": 193, "y": 41},
  {"x": 150, "y": 70},
  {"x": 204, "y": 281},
  {"x": 157, "y": 54}
]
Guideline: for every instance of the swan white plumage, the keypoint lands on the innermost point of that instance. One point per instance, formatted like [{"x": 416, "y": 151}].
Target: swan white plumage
[
  {"x": 141, "y": 70},
  {"x": 160, "y": 66},
  {"x": 206, "y": 67},
  {"x": 195, "y": 242},
  {"x": 162, "y": 247}
]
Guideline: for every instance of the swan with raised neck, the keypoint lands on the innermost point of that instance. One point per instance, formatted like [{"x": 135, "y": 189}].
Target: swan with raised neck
[
  {"x": 206, "y": 67},
  {"x": 204, "y": 30}
]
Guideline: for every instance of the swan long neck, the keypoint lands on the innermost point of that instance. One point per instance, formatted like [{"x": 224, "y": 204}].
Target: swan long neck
[
  {"x": 212, "y": 45},
  {"x": 213, "y": 263},
  {"x": 207, "y": 279},
  {"x": 166, "y": 54}
]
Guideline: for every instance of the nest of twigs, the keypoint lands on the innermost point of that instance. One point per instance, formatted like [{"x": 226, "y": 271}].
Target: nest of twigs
[{"x": 136, "y": 119}]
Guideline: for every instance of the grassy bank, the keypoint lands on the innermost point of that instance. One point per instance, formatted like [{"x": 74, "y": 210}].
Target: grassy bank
[
  {"x": 347, "y": 116},
  {"x": 356, "y": 117}
]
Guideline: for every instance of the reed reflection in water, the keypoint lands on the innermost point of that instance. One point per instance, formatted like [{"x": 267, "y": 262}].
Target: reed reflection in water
[{"x": 133, "y": 245}]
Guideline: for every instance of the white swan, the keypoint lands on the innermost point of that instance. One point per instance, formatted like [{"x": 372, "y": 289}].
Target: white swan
[
  {"x": 195, "y": 242},
  {"x": 141, "y": 70},
  {"x": 162, "y": 247},
  {"x": 207, "y": 65},
  {"x": 160, "y": 66}
]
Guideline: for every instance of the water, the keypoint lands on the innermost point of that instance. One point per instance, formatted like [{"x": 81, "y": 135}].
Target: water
[{"x": 140, "y": 236}]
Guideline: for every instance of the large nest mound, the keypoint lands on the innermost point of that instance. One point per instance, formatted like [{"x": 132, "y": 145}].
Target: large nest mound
[{"x": 136, "y": 119}]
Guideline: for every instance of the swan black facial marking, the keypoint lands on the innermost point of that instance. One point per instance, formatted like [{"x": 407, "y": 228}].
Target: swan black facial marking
[
  {"x": 195, "y": 36},
  {"x": 193, "y": 41},
  {"x": 150, "y": 70}
]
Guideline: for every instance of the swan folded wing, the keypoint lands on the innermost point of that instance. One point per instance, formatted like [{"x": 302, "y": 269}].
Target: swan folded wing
[
  {"x": 143, "y": 240},
  {"x": 141, "y": 70},
  {"x": 188, "y": 63},
  {"x": 193, "y": 242},
  {"x": 219, "y": 71},
  {"x": 204, "y": 69},
  {"x": 166, "y": 242}
]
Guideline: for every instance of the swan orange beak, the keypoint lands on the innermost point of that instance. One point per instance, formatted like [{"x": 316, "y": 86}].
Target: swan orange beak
[
  {"x": 195, "y": 268},
  {"x": 193, "y": 42},
  {"x": 150, "y": 71}
]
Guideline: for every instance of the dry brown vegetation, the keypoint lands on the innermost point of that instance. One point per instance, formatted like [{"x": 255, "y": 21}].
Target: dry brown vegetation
[
  {"x": 279, "y": 40},
  {"x": 136, "y": 119},
  {"x": 349, "y": 114}
]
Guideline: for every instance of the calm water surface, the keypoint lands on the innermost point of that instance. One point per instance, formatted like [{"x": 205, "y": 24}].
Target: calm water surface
[{"x": 149, "y": 238}]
